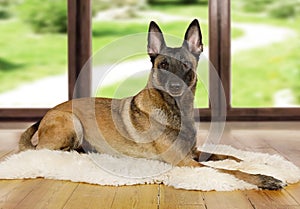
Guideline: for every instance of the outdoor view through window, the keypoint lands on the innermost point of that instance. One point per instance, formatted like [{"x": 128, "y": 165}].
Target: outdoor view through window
[
  {"x": 33, "y": 56},
  {"x": 33, "y": 53},
  {"x": 265, "y": 58}
]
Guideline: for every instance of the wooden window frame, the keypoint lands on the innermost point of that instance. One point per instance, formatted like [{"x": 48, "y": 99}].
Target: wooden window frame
[{"x": 79, "y": 51}]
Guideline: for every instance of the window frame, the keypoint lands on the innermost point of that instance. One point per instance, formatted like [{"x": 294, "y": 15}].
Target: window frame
[{"x": 79, "y": 51}]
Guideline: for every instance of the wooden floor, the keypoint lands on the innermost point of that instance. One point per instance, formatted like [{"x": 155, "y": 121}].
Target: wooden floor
[{"x": 280, "y": 138}]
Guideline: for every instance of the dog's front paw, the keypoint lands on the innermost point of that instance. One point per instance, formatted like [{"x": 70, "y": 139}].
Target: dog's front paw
[
  {"x": 261, "y": 181},
  {"x": 268, "y": 182}
]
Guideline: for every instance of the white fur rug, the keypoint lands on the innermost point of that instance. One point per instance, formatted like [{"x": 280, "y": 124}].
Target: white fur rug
[{"x": 107, "y": 170}]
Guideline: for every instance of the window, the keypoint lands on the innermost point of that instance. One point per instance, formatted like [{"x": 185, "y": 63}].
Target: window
[
  {"x": 220, "y": 25},
  {"x": 79, "y": 47},
  {"x": 78, "y": 53},
  {"x": 265, "y": 66},
  {"x": 33, "y": 54}
]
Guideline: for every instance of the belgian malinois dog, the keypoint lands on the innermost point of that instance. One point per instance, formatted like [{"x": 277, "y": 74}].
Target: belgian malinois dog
[{"x": 157, "y": 123}]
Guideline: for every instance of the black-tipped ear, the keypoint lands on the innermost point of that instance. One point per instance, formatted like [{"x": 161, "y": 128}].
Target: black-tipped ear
[
  {"x": 193, "y": 38},
  {"x": 155, "y": 39}
]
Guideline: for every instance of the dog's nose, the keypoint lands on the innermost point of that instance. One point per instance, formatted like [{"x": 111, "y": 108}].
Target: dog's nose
[{"x": 175, "y": 86}]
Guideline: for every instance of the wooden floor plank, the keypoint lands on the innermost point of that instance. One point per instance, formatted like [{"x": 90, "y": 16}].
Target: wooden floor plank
[
  {"x": 289, "y": 149},
  {"x": 171, "y": 198},
  {"x": 91, "y": 196},
  {"x": 23, "y": 188},
  {"x": 270, "y": 199},
  {"x": 7, "y": 187},
  {"x": 49, "y": 194},
  {"x": 294, "y": 191},
  {"x": 226, "y": 200},
  {"x": 139, "y": 196},
  {"x": 250, "y": 140}
]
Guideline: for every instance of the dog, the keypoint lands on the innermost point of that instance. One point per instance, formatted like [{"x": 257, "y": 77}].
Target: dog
[{"x": 157, "y": 123}]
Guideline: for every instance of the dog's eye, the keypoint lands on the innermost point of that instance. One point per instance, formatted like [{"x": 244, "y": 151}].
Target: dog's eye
[
  {"x": 163, "y": 65},
  {"x": 187, "y": 65},
  {"x": 190, "y": 75}
]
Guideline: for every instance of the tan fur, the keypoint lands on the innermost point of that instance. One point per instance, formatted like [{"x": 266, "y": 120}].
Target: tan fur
[{"x": 157, "y": 123}]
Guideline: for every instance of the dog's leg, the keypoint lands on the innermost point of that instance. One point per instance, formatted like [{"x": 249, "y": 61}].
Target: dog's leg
[
  {"x": 261, "y": 181},
  {"x": 204, "y": 156},
  {"x": 25, "y": 140},
  {"x": 60, "y": 131},
  {"x": 189, "y": 162}
]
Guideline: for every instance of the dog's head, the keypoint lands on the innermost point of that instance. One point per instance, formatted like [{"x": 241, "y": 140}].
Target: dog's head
[{"x": 174, "y": 69}]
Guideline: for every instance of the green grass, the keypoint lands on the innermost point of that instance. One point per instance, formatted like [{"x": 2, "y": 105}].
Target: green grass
[
  {"x": 195, "y": 10},
  {"x": 25, "y": 56},
  {"x": 125, "y": 88},
  {"x": 259, "y": 73},
  {"x": 126, "y": 39}
]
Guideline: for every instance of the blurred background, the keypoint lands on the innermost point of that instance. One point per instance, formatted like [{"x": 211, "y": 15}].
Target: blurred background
[{"x": 33, "y": 48}]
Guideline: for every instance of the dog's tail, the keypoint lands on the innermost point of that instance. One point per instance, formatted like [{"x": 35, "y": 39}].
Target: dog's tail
[{"x": 25, "y": 140}]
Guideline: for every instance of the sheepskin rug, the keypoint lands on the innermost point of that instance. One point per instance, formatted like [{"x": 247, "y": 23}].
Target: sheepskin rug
[{"x": 103, "y": 169}]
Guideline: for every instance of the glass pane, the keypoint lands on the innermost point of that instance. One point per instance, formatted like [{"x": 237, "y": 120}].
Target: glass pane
[
  {"x": 120, "y": 42},
  {"x": 265, "y": 59},
  {"x": 33, "y": 55}
]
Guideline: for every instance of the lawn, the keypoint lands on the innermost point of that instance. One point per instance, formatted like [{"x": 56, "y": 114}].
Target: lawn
[
  {"x": 26, "y": 56},
  {"x": 258, "y": 74}
]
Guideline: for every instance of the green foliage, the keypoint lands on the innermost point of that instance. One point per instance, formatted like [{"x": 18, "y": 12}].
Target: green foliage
[
  {"x": 99, "y": 5},
  {"x": 135, "y": 5},
  {"x": 189, "y": 1},
  {"x": 5, "y": 8},
  {"x": 284, "y": 9},
  {"x": 265, "y": 73},
  {"x": 25, "y": 57},
  {"x": 4, "y": 13},
  {"x": 45, "y": 16},
  {"x": 256, "y": 5},
  {"x": 274, "y": 8}
]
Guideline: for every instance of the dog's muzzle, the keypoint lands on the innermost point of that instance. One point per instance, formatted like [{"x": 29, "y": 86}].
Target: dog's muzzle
[
  {"x": 175, "y": 87},
  {"x": 169, "y": 83}
]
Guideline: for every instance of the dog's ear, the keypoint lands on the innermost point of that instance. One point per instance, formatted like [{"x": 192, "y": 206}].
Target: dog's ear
[
  {"x": 193, "y": 38},
  {"x": 155, "y": 40}
]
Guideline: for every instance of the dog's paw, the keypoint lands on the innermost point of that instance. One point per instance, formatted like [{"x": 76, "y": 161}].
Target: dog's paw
[
  {"x": 268, "y": 182},
  {"x": 261, "y": 181}
]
